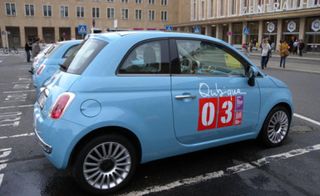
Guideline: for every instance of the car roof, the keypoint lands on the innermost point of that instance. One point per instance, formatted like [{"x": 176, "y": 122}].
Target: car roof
[
  {"x": 75, "y": 41},
  {"x": 112, "y": 36}
]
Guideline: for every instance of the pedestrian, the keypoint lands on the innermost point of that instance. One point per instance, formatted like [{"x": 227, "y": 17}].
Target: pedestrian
[
  {"x": 245, "y": 48},
  {"x": 284, "y": 52},
  {"x": 295, "y": 47},
  {"x": 265, "y": 48},
  {"x": 301, "y": 47},
  {"x": 35, "y": 51},
  {"x": 35, "y": 48},
  {"x": 28, "y": 49}
]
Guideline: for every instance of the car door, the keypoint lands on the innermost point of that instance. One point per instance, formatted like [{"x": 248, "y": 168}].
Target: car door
[{"x": 211, "y": 97}]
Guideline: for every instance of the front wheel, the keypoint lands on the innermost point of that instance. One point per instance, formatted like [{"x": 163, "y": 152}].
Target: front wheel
[
  {"x": 275, "y": 127},
  {"x": 105, "y": 164}
]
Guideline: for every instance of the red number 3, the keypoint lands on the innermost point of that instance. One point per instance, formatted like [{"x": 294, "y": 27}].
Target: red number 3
[{"x": 210, "y": 111}]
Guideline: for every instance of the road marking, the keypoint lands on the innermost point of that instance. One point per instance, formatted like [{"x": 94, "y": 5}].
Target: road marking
[
  {"x": 17, "y": 136},
  {"x": 306, "y": 119},
  {"x": 228, "y": 171},
  {"x": 16, "y": 97},
  {"x": 24, "y": 91},
  {"x": 3, "y": 153},
  {"x": 10, "y": 119},
  {"x": 19, "y": 106}
]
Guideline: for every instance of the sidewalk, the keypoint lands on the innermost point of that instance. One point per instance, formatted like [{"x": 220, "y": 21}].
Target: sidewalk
[
  {"x": 292, "y": 64},
  {"x": 306, "y": 56}
]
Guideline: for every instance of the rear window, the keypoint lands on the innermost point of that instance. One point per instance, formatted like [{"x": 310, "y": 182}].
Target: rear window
[
  {"x": 88, "y": 51},
  {"x": 48, "y": 50},
  {"x": 51, "y": 51}
]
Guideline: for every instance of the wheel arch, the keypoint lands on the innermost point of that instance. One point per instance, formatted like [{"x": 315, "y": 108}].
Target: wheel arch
[{"x": 104, "y": 131}]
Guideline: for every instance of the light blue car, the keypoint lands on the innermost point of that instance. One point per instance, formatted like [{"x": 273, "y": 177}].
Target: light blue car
[
  {"x": 129, "y": 98},
  {"x": 50, "y": 64}
]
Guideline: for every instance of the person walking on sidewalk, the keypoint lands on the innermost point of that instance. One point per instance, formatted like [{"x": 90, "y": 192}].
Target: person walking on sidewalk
[
  {"x": 28, "y": 49},
  {"x": 265, "y": 48},
  {"x": 284, "y": 52},
  {"x": 301, "y": 47}
]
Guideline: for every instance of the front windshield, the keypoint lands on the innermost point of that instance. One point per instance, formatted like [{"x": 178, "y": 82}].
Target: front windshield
[{"x": 77, "y": 63}]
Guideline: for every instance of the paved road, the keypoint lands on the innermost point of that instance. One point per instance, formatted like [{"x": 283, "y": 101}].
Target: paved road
[{"x": 244, "y": 168}]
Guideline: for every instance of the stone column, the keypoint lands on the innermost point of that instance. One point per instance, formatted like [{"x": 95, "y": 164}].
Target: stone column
[
  {"x": 302, "y": 28},
  {"x": 22, "y": 36},
  {"x": 208, "y": 30},
  {"x": 219, "y": 31},
  {"x": 40, "y": 33},
  {"x": 4, "y": 37},
  {"x": 279, "y": 33},
  {"x": 73, "y": 32},
  {"x": 56, "y": 34},
  {"x": 260, "y": 33},
  {"x": 244, "y": 36},
  {"x": 230, "y": 36}
]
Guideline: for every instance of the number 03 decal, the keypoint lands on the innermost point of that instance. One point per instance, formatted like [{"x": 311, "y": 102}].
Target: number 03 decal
[{"x": 219, "y": 112}]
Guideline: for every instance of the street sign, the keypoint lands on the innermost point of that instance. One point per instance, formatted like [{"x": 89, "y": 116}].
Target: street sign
[
  {"x": 169, "y": 28},
  {"x": 197, "y": 29},
  {"x": 82, "y": 29},
  {"x": 246, "y": 31}
]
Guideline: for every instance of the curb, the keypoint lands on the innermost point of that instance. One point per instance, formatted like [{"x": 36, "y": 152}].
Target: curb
[{"x": 290, "y": 57}]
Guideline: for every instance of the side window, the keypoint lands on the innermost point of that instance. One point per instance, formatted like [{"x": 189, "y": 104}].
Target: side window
[
  {"x": 71, "y": 51},
  {"x": 202, "y": 58},
  {"x": 147, "y": 58}
]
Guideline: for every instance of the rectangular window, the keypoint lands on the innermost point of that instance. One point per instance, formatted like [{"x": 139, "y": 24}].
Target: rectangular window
[
  {"x": 138, "y": 14},
  {"x": 64, "y": 12},
  {"x": 233, "y": 7},
  {"x": 47, "y": 10},
  {"x": 80, "y": 12},
  {"x": 110, "y": 13},
  {"x": 124, "y": 1},
  {"x": 10, "y": 9},
  {"x": 151, "y": 14},
  {"x": 194, "y": 10},
  {"x": 124, "y": 14},
  {"x": 222, "y": 7},
  {"x": 164, "y": 2},
  {"x": 110, "y": 1},
  {"x": 164, "y": 15},
  {"x": 151, "y": 2},
  {"x": 95, "y": 12},
  {"x": 29, "y": 9},
  {"x": 138, "y": 1}
]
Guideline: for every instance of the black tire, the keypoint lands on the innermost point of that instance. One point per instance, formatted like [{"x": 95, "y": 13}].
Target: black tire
[
  {"x": 105, "y": 167},
  {"x": 280, "y": 130}
]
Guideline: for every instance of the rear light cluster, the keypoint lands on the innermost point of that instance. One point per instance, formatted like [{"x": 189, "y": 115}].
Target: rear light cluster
[
  {"x": 61, "y": 105},
  {"x": 40, "y": 69}
]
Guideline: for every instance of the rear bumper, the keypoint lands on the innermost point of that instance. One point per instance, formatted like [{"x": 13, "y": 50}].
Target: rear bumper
[{"x": 57, "y": 138}]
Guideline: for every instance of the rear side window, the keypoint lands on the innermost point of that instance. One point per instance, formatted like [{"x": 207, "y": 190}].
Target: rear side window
[
  {"x": 147, "y": 58},
  {"x": 70, "y": 51},
  {"x": 85, "y": 55}
]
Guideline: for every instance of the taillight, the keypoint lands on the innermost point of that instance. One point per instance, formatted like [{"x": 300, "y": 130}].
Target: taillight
[
  {"x": 40, "y": 69},
  {"x": 61, "y": 105}
]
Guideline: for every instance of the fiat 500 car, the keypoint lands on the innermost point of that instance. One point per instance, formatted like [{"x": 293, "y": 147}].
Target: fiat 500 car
[
  {"x": 128, "y": 98},
  {"x": 53, "y": 61}
]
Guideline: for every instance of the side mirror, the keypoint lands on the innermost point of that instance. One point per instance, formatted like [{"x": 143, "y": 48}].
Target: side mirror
[{"x": 252, "y": 74}]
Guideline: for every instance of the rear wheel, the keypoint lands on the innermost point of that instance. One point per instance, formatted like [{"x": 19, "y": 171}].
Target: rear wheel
[
  {"x": 105, "y": 164},
  {"x": 276, "y": 127}
]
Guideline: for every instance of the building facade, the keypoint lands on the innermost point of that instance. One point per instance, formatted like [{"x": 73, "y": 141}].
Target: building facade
[
  {"x": 54, "y": 20},
  {"x": 243, "y": 21}
]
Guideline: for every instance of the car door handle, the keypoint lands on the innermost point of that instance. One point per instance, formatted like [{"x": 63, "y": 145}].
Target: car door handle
[{"x": 179, "y": 97}]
